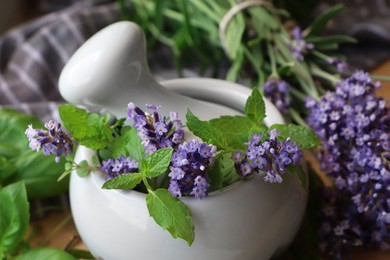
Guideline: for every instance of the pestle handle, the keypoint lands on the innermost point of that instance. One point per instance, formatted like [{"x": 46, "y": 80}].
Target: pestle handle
[{"x": 110, "y": 70}]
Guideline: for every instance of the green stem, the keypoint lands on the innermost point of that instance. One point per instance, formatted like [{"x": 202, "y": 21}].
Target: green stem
[
  {"x": 324, "y": 75},
  {"x": 147, "y": 185},
  {"x": 297, "y": 94},
  {"x": 271, "y": 53},
  {"x": 379, "y": 77},
  {"x": 320, "y": 55},
  {"x": 295, "y": 115}
]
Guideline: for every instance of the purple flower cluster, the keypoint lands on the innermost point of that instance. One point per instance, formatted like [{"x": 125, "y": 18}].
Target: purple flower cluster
[
  {"x": 277, "y": 91},
  {"x": 340, "y": 65},
  {"x": 116, "y": 167},
  {"x": 188, "y": 170},
  {"x": 298, "y": 45},
  {"x": 52, "y": 141},
  {"x": 353, "y": 125},
  {"x": 270, "y": 156},
  {"x": 155, "y": 130}
]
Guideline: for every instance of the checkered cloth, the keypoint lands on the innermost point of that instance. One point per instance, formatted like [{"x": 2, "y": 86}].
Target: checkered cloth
[{"x": 33, "y": 55}]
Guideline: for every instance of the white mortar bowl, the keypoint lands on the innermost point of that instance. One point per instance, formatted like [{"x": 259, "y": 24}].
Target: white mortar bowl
[{"x": 248, "y": 220}]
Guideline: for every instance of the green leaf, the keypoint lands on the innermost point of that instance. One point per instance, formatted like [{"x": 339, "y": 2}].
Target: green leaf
[
  {"x": 95, "y": 162},
  {"x": 297, "y": 169},
  {"x": 10, "y": 149},
  {"x": 234, "y": 130},
  {"x": 223, "y": 172},
  {"x": 47, "y": 253},
  {"x": 86, "y": 128},
  {"x": 80, "y": 254},
  {"x": 330, "y": 39},
  {"x": 14, "y": 216},
  {"x": 158, "y": 163},
  {"x": 7, "y": 168},
  {"x": 129, "y": 144},
  {"x": 303, "y": 137},
  {"x": 322, "y": 20},
  {"x": 13, "y": 124},
  {"x": 171, "y": 214},
  {"x": 83, "y": 169},
  {"x": 37, "y": 171},
  {"x": 205, "y": 131},
  {"x": 255, "y": 107},
  {"x": 124, "y": 181}
]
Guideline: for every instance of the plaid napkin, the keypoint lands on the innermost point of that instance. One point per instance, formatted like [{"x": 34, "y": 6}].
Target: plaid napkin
[{"x": 33, "y": 55}]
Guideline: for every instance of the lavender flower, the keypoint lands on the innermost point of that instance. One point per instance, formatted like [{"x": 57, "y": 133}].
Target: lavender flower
[
  {"x": 270, "y": 156},
  {"x": 54, "y": 140},
  {"x": 155, "y": 130},
  {"x": 298, "y": 45},
  {"x": 116, "y": 167},
  {"x": 353, "y": 125},
  {"x": 277, "y": 91},
  {"x": 188, "y": 170},
  {"x": 340, "y": 65}
]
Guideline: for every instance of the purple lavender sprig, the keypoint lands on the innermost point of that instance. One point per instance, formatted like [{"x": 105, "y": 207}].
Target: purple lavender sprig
[
  {"x": 298, "y": 45},
  {"x": 353, "y": 125},
  {"x": 116, "y": 167},
  {"x": 156, "y": 131},
  {"x": 277, "y": 91},
  {"x": 188, "y": 170},
  {"x": 270, "y": 156},
  {"x": 54, "y": 140}
]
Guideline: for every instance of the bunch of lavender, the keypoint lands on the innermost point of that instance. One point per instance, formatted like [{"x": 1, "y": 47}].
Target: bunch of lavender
[
  {"x": 156, "y": 131},
  {"x": 277, "y": 91},
  {"x": 54, "y": 140},
  {"x": 353, "y": 125},
  {"x": 188, "y": 170},
  {"x": 271, "y": 156},
  {"x": 298, "y": 46},
  {"x": 116, "y": 167}
]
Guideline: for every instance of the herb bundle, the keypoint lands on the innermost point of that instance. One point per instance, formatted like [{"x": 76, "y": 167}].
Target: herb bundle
[{"x": 148, "y": 152}]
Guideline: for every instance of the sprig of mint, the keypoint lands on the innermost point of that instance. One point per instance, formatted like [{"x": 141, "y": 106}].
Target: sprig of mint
[
  {"x": 171, "y": 214},
  {"x": 303, "y": 137},
  {"x": 229, "y": 133},
  {"x": 168, "y": 212},
  {"x": 88, "y": 129}
]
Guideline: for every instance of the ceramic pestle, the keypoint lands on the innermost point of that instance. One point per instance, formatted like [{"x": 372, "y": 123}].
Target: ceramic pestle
[{"x": 110, "y": 70}]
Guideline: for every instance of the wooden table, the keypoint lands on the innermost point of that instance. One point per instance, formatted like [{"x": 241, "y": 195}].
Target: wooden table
[{"x": 49, "y": 235}]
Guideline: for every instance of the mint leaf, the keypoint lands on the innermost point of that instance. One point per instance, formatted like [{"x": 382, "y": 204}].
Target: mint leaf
[
  {"x": 46, "y": 253},
  {"x": 303, "y": 137},
  {"x": 255, "y": 107},
  {"x": 14, "y": 216},
  {"x": 157, "y": 163},
  {"x": 223, "y": 172},
  {"x": 171, "y": 214},
  {"x": 83, "y": 169},
  {"x": 36, "y": 171},
  {"x": 129, "y": 144},
  {"x": 297, "y": 169},
  {"x": 7, "y": 168},
  {"x": 124, "y": 181},
  {"x": 205, "y": 131},
  {"x": 88, "y": 129},
  {"x": 234, "y": 129}
]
